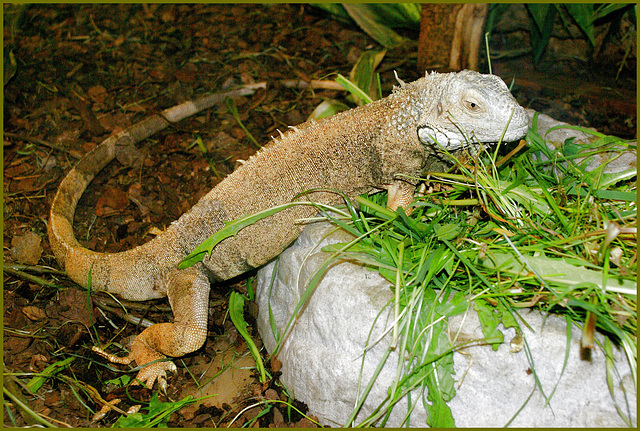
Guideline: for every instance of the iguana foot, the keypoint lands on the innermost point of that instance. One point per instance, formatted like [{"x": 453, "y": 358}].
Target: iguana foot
[
  {"x": 143, "y": 354},
  {"x": 400, "y": 194}
]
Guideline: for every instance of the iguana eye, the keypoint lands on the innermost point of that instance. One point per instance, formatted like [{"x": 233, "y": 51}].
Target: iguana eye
[{"x": 471, "y": 105}]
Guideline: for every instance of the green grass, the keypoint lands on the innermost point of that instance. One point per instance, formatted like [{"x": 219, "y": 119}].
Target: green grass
[
  {"x": 155, "y": 414},
  {"x": 500, "y": 236}
]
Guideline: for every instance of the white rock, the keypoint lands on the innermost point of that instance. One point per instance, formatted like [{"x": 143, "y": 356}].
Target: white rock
[{"x": 322, "y": 355}]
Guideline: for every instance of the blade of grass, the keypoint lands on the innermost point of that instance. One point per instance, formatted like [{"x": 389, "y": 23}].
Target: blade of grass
[{"x": 233, "y": 110}]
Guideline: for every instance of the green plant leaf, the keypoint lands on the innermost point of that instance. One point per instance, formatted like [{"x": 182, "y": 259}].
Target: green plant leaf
[
  {"x": 457, "y": 304},
  {"x": 539, "y": 13},
  {"x": 354, "y": 90},
  {"x": 490, "y": 318},
  {"x": 605, "y": 9},
  {"x": 158, "y": 414},
  {"x": 448, "y": 231},
  {"x": 397, "y": 15},
  {"x": 558, "y": 271},
  {"x": 440, "y": 415},
  {"x": 230, "y": 229},
  {"x": 36, "y": 382},
  {"x": 543, "y": 15},
  {"x": 366, "y": 18},
  {"x": 327, "y": 108},
  {"x": 614, "y": 195},
  {"x": 236, "y": 313},
  {"x": 336, "y": 9},
  {"x": 362, "y": 74},
  {"x": 378, "y": 210},
  {"x": 120, "y": 381},
  {"x": 583, "y": 15},
  {"x": 496, "y": 10},
  {"x": 394, "y": 15}
]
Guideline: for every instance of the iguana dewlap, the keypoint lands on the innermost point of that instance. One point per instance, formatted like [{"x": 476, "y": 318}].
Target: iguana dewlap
[{"x": 383, "y": 145}]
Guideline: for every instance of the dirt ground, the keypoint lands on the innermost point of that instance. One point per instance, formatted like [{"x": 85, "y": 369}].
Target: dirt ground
[{"x": 84, "y": 72}]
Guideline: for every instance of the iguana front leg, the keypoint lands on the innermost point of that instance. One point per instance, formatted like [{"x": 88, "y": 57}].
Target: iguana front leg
[
  {"x": 400, "y": 194},
  {"x": 188, "y": 293}
]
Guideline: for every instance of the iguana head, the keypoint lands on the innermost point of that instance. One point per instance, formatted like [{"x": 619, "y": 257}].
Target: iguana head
[{"x": 466, "y": 108}]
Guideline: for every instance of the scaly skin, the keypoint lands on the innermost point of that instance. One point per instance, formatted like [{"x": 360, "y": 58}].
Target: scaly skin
[{"x": 383, "y": 145}]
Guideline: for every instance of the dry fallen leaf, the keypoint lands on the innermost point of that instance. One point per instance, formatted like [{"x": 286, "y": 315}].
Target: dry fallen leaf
[
  {"x": 34, "y": 313},
  {"x": 38, "y": 363},
  {"x": 26, "y": 249},
  {"x": 113, "y": 201}
]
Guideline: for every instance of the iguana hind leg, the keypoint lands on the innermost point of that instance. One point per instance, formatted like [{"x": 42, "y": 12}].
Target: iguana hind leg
[{"x": 188, "y": 293}]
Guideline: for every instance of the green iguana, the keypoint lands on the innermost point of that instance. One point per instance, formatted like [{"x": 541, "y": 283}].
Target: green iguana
[{"x": 382, "y": 145}]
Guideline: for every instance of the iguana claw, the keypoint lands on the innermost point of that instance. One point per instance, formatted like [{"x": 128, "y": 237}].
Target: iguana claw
[{"x": 155, "y": 372}]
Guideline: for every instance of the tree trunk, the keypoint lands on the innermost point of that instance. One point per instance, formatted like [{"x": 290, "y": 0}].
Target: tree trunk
[{"x": 450, "y": 36}]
